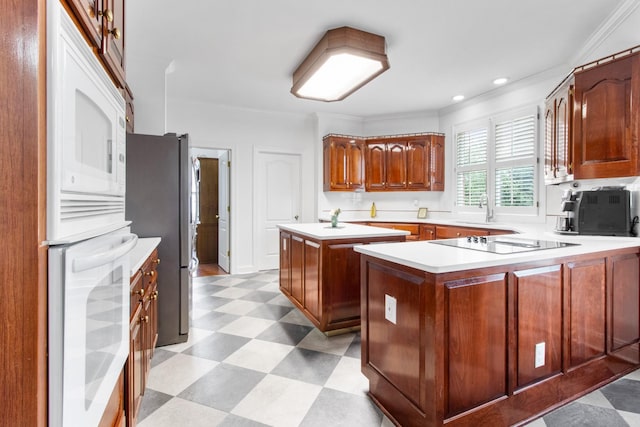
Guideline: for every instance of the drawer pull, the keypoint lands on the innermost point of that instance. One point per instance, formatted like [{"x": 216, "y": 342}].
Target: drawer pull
[
  {"x": 150, "y": 273},
  {"x": 154, "y": 296},
  {"x": 144, "y": 319},
  {"x": 157, "y": 261},
  {"x": 116, "y": 33},
  {"x": 107, "y": 13},
  {"x": 139, "y": 292}
]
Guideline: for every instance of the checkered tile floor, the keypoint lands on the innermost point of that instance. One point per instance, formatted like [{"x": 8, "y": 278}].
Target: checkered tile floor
[{"x": 253, "y": 360}]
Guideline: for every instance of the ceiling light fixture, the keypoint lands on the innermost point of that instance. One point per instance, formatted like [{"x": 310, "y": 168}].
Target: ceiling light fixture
[
  {"x": 343, "y": 61},
  {"x": 500, "y": 81},
  {"x": 458, "y": 98}
]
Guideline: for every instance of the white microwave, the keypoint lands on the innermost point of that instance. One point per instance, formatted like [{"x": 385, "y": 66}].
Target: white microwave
[{"x": 86, "y": 133}]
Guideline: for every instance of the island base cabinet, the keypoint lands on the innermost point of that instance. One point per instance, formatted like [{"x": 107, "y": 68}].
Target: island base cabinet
[
  {"x": 322, "y": 278},
  {"x": 497, "y": 346}
]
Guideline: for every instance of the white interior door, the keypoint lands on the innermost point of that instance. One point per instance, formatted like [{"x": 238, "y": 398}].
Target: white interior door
[
  {"x": 223, "y": 211},
  {"x": 277, "y": 182}
]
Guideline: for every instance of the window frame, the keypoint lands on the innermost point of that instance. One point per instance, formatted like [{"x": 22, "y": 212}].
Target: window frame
[{"x": 492, "y": 165}]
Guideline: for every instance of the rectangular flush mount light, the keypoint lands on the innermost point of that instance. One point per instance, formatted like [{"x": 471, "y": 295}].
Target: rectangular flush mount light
[{"x": 344, "y": 60}]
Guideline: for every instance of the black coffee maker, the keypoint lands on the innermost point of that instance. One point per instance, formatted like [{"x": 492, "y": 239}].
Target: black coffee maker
[
  {"x": 603, "y": 211},
  {"x": 565, "y": 223}
]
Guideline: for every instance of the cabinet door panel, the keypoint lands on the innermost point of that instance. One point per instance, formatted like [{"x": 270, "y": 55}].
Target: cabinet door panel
[
  {"x": 285, "y": 262},
  {"x": 418, "y": 164},
  {"x": 356, "y": 165},
  {"x": 297, "y": 268},
  {"x": 476, "y": 355},
  {"x": 605, "y": 128},
  {"x": 549, "y": 140},
  {"x": 539, "y": 305},
  {"x": 312, "y": 278},
  {"x": 396, "y": 166},
  {"x": 437, "y": 163},
  {"x": 375, "y": 164},
  {"x": 339, "y": 155},
  {"x": 625, "y": 298},
  {"x": 586, "y": 310},
  {"x": 89, "y": 14}
]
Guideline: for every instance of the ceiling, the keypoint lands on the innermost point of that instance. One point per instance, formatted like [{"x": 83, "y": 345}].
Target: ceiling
[{"x": 242, "y": 53}]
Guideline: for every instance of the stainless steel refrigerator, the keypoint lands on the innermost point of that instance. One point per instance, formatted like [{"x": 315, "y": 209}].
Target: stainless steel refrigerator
[{"x": 157, "y": 203}]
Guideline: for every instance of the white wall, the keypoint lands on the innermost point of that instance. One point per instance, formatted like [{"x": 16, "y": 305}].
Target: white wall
[{"x": 241, "y": 130}]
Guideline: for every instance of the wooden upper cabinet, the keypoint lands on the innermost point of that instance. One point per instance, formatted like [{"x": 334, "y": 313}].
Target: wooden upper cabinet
[
  {"x": 343, "y": 163},
  {"x": 436, "y": 168},
  {"x": 558, "y": 138},
  {"x": 375, "y": 166},
  {"x": 606, "y": 119},
  {"x": 403, "y": 163},
  {"x": 112, "y": 44},
  {"x": 89, "y": 16},
  {"x": 418, "y": 162},
  {"x": 396, "y": 165},
  {"x": 102, "y": 22}
]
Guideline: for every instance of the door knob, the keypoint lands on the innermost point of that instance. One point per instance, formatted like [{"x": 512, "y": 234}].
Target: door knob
[
  {"x": 217, "y": 216},
  {"x": 296, "y": 217}
]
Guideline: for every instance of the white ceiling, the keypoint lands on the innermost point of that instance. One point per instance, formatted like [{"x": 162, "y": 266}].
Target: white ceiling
[{"x": 242, "y": 53}]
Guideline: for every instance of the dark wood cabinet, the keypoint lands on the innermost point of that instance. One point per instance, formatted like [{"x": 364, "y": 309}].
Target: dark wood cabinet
[
  {"x": 450, "y": 232},
  {"x": 143, "y": 334},
  {"x": 129, "y": 109},
  {"x": 323, "y": 281},
  {"x": 343, "y": 163},
  {"x": 497, "y": 345},
  {"x": 606, "y": 118},
  {"x": 102, "y": 22},
  {"x": 558, "y": 139},
  {"x": 403, "y": 163},
  {"x": 413, "y": 229},
  {"x": 427, "y": 232}
]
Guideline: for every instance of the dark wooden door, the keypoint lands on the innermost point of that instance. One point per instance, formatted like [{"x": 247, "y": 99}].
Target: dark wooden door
[
  {"x": 396, "y": 166},
  {"x": 207, "y": 238},
  {"x": 375, "y": 164},
  {"x": 418, "y": 164},
  {"x": 437, "y": 163}
]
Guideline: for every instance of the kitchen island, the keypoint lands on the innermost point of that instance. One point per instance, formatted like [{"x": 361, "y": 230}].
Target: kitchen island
[
  {"x": 464, "y": 337},
  {"x": 320, "y": 272}
]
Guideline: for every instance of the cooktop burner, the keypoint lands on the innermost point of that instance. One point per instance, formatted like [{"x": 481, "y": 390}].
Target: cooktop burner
[{"x": 502, "y": 244}]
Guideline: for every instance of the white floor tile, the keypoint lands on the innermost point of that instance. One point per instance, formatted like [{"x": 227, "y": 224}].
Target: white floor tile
[
  {"x": 318, "y": 341},
  {"x": 229, "y": 281},
  {"x": 249, "y": 327},
  {"x": 239, "y": 307},
  {"x": 348, "y": 378},
  {"x": 233, "y": 293},
  {"x": 278, "y": 401},
  {"x": 195, "y": 335},
  {"x": 259, "y": 355},
  {"x": 281, "y": 300},
  {"x": 635, "y": 375},
  {"x": 596, "y": 398},
  {"x": 537, "y": 423},
  {"x": 180, "y": 412},
  {"x": 631, "y": 418},
  {"x": 177, "y": 373}
]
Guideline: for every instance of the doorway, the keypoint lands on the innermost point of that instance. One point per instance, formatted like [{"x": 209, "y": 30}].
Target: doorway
[{"x": 212, "y": 230}]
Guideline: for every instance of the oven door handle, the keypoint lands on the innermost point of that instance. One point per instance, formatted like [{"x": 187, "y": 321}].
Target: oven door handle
[{"x": 92, "y": 261}]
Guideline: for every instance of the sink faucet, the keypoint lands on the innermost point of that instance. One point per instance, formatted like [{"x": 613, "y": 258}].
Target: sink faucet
[{"x": 489, "y": 212}]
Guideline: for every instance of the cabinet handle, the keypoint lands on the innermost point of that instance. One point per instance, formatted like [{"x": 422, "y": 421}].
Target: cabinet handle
[
  {"x": 458, "y": 234},
  {"x": 154, "y": 296},
  {"x": 140, "y": 292},
  {"x": 107, "y": 13},
  {"x": 144, "y": 319},
  {"x": 116, "y": 33},
  {"x": 157, "y": 261},
  {"x": 127, "y": 119},
  {"x": 150, "y": 273}
]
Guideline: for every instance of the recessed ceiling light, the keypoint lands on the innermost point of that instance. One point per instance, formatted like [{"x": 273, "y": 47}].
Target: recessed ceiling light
[
  {"x": 458, "y": 98},
  {"x": 500, "y": 81}
]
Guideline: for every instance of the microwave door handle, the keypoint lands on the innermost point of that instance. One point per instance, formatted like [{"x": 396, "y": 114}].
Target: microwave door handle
[{"x": 92, "y": 261}]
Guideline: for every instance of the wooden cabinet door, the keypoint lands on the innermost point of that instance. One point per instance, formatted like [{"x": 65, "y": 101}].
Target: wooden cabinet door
[
  {"x": 539, "y": 324},
  {"x": 563, "y": 131},
  {"x": 112, "y": 43},
  {"x": 418, "y": 161},
  {"x": 312, "y": 278},
  {"x": 624, "y": 296},
  {"x": 355, "y": 162},
  {"x": 437, "y": 163},
  {"x": 427, "y": 232},
  {"x": 89, "y": 14},
  {"x": 129, "y": 110},
  {"x": 297, "y": 269},
  {"x": 375, "y": 166},
  {"x": 450, "y": 232},
  {"x": 396, "y": 166},
  {"x": 285, "y": 262},
  {"x": 585, "y": 311},
  {"x": 606, "y": 130},
  {"x": 339, "y": 160},
  {"x": 549, "y": 139},
  {"x": 476, "y": 355},
  {"x": 135, "y": 367}
]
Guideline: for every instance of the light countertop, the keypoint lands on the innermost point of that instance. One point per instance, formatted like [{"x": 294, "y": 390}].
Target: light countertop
[
  {"x": 344, "y": 230},
  {"x": 435, "y": 258},
  {"x": 141, "y": 252}
]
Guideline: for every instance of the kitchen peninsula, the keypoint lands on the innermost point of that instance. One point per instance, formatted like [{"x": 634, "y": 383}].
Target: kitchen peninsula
[
  {"x": 464, "y": 337},
  {"x": 320, "y": 272}
]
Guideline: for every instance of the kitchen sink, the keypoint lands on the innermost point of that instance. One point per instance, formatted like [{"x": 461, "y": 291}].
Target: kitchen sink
[{"x": 502, "y": 244}]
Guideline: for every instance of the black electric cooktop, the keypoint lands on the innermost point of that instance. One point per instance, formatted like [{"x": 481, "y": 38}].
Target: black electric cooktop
[{"x": 502, "y": 244}]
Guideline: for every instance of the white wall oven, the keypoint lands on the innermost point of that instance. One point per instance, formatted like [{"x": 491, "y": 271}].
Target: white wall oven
[
  {"x": 86, "y": 137},
  {"x": 88, "y": 325}
]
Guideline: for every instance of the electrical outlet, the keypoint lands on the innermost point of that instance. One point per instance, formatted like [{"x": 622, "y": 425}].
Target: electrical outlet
[
  {"x": 390, "y": 305},
  {"x": 539, "y": 355}
]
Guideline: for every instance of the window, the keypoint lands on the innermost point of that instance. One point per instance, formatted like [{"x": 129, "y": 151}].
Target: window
[{"x": 498, "y": 157}]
